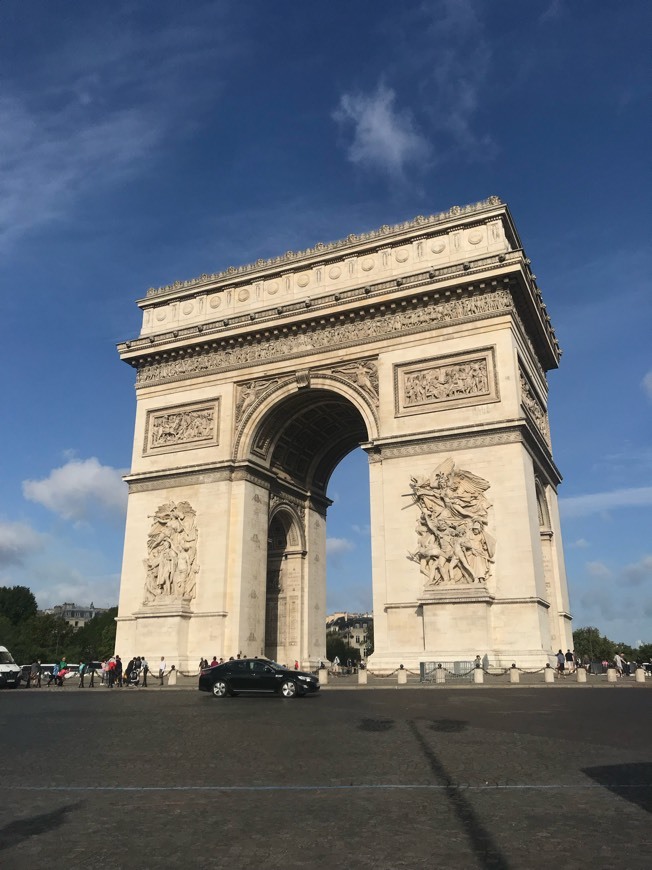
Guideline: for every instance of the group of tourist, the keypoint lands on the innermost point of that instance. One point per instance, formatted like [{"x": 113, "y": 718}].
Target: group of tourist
[
  {"x": 110, "y": 673},
  {"x": 568, "y": 663}
]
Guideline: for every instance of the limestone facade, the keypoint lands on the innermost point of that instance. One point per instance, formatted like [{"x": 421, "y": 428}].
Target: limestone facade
[{"x": 427, "y": 343}]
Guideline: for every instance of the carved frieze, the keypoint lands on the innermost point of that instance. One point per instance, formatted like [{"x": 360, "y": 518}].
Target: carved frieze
[
  {"x": 171, "y": 566},
  {"x": 534, "y": 406},
  {"x": 327, "y": 333},
  {"x": 363, "y": 374},
  {"x": 182, "y": 427},
  {"x": 453, "y": 544},
  {"x": 445, "y": 382},
  {"x": 248, "y": 394}
]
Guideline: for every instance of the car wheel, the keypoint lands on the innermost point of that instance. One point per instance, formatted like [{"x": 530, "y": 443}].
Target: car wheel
[
  {"x": 289, "y": 689},
  {"x": 220, "y": 689}
]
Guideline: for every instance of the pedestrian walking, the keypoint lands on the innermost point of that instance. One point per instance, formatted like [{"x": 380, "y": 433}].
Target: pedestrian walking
[
  {"x": 561, "y": 659},
  {"x": 570, "y": 661},
  {"x": 161, "y": 669},
  {"x": 35, "y": 673},
  {"x": 145, "y": 667}
]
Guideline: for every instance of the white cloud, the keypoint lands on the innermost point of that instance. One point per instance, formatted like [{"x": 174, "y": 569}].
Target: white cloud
[
  {"x": 598, "y": 569},
  {"x": 580, "y": 544},
  {"x": 365, "y": 531},
  {"x": 647, "y": 384},
  {"x": 68, "y": 584},
  {"x": 338, "y": 546},
  {"x": 17, "y": 541},
  {"x": 638, "y": 573},
  {"x": 584, "y": 505},
  {"x": 77, "y": 489},
  {"x": 384, "y": 137}
]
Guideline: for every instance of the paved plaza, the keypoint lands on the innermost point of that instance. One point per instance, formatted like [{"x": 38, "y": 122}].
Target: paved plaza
[{"x": 407, "y": 778}]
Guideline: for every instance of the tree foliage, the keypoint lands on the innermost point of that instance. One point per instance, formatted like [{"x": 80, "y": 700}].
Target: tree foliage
[
  {"x": 17, "y": 603},
  {"x": 335, "y": 646},
  {"x": 589, "y": 642}
]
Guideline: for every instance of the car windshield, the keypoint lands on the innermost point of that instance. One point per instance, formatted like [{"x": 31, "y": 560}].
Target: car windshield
[{"x": 6, "y": 659}]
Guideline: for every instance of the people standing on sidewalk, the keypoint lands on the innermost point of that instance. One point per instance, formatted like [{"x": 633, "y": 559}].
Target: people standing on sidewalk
[
  {"x": 570, "y": 661},
  {"x": 161, "y": 669},
  {"x": 561, "y": 661}
]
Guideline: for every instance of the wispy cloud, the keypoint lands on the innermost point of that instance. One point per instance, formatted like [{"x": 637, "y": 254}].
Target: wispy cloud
[
  {"x": 78, "y": 489},
  {"x": 385, "y": 138},
  {"x": 98, "y": 108},
  {"x": 338, "y": 546},
  {"x": 17, "y": 542},
  {"x": 580, "y": 544},
  {"x": 647, "y": 384},
  {"x": 584, "y": 505}
]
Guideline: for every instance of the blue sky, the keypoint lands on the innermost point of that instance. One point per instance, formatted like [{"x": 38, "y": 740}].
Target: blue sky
[{"x": 144, "y": 143}]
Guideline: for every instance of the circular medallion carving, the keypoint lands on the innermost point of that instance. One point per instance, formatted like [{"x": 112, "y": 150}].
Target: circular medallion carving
[
  {"x": 272, "y": 288},
  {"x": 215, "y": 301},
  {"x": 188, "y": 308},
  {"x": 402, "y": 254},
  {"x": 161, "y": 314},
  {"x": 243, "y": 295},
  {"x": 438, "y": 246},
  {"x": 367, "y": 264},
  {"x": 334, "y": 272},
  {"x": 303, "y": 280},
  {"x": 475, "y": 237}
]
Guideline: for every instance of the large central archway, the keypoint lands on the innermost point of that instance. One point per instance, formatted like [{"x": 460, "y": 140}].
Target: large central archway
[{"x": 301, "y": 438}]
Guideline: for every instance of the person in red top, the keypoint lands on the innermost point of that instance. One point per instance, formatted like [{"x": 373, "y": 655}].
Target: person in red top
[
  {"x": 296, "y": 665},
  {"x": 214, "y": 662}
]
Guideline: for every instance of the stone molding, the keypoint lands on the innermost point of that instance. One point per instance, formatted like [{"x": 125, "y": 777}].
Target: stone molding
[
  {"x": 533, "y": 405},
  {"x": 442, "y": 382},
  {"x": 400, "y": 318},
  {"x": 321, "y": 248},
  {"x": 182, "y": 427}
]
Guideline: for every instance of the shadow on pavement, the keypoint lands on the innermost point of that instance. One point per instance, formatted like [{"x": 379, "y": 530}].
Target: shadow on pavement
[
  {"x": 630, "y": 781},
  {"x": 482, "y": 843},
  {"x": 22, "y": 829}
]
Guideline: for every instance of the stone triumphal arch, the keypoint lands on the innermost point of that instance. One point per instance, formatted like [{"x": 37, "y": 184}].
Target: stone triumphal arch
[{"x": 428, "y": 344}]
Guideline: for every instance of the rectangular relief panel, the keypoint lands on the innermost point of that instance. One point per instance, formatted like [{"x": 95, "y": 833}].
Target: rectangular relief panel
[
  {"x": 182, "y": 427},
  {"x": 445, "y": 382}
]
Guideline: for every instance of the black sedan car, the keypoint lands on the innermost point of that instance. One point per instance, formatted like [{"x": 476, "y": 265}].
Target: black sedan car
[{"x": 260, "y": 676}]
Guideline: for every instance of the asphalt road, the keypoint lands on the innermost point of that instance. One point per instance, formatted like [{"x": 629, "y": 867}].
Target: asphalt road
[{"x": 404, "y": 778}]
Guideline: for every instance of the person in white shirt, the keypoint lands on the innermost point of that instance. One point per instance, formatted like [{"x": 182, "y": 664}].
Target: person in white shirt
[{"x": 161, "y": 669}]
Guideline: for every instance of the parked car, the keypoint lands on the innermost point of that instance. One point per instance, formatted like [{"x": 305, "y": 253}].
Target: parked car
[
  {"x": 10, "y": 673},
  {"x": 259, "y": 676}
]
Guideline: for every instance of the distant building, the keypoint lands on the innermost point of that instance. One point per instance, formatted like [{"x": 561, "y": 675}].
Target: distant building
[
  {"x": 76, "y": 615},
  {"x": 352, "y": 628}
]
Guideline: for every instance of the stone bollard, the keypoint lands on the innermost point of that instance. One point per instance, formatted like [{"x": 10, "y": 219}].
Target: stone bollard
[
  {"x": 440, "y": 675},
  {"x": 514, "y": 675},
  {"x": 478, "y": 675},
  {"x": 612, "y": 675},
  {"x": 581, "y": 675},
  {"x": 172, "y": 677},
  {"x": 323, "y": 677},
  {"x": 639, "y": 676},
  {"x": 362, "y": 678},
  {"x": 548, "y": 675},
  {"x": 402, "y": 676}
]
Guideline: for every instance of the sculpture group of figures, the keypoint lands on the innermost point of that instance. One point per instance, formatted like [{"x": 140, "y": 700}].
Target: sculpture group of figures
[
  {"x": 454, "y": 546},
  {"x": 445, "y": 382},
  {"x": 182, "y": 426},
  {"x": 171, "y": 563}
]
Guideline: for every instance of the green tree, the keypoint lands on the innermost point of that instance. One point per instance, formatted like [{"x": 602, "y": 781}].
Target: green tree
[
  {"x": 589, "y": 642},
  {"x": 17, "y": 603},
  {"x": 336, "y": 646}
]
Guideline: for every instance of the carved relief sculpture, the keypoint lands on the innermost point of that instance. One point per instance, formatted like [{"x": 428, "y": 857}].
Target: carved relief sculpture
[
  {"x": 536, "y": 410},
  {"x": 364, "y": 374},
  {"x": 175, "y": 428},
  {"x": 453, "y": 545},
  {"x": 171, "y": 564},
  {"x": 446, "y": 382}
]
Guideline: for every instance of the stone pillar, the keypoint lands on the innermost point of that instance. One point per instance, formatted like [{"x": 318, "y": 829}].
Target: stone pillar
[
  {"x": 172, "y": 678},
  {"x": 549, "y": 675},
  {"x": 402, "y": 676},
  {"x": 640, "y": 675},
  {"x": 478, "y": 675},
  {"x": 581, "y": 675},
  {"x": 612, "y": 675},
  {"x": 440, "y": 675},
  {"x": 514, "y": 675},
  {"x": 323, "y": 677},
  {"x": 362, "y": 677}
]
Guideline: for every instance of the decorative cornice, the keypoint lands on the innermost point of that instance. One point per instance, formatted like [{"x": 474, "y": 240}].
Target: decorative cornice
[{"x": 295, "y": 257}]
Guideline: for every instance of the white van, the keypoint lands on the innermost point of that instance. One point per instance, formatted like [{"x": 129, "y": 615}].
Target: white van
[{"x": 10, "y": 673}]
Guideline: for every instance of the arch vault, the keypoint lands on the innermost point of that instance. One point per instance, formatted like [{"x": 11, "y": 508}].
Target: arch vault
[{"x": 427, "y": 343}]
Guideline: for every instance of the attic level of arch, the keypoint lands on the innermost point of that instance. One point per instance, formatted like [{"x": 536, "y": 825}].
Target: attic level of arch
[
  {"x": 514, "y": 261},
  {"x": 370, "y": 307}
]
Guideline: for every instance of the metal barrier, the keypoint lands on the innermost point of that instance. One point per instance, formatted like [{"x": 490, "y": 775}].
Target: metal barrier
[{"x": 460, "y": 670}]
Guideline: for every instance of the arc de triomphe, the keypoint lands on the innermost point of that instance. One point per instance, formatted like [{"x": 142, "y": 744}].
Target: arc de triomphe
[{"x": 426, "y": 343}]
